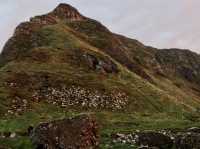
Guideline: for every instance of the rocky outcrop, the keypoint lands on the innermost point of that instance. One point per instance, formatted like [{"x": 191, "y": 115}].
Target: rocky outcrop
[
  {"x": 67, "y": 12},
  {"x": 188, "y": 141},
  {"x": 145, "y": 140},
  {"x": 153, "y": 139},
  {"x": 62, "y": 11},
  {"x": 164, "y": 139},
  {"x": 77, "y": 133},
  {"x": 180, "y": 63},
  {"x": 103, "y": 65}
]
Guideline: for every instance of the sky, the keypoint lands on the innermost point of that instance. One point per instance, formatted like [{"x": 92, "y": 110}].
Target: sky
[{"x": 158, "y": 23}]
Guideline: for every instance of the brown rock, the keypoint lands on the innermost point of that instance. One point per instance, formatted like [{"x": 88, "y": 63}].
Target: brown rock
[
  {"x": 68, "y": 12},
  {"x": 154, "y": 139},
  {"x": 76, "y": 133},
  {"x": 188, "y": 140}
]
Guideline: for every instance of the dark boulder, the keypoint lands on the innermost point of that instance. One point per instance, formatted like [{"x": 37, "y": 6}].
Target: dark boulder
[
  {"x": 154, "y": 139},
  {"x": 105, "y": 65},
  {"x": 188, "y": 140},
  {"x": 76, "y": 133},
  {"x": 194, "y": 130}
]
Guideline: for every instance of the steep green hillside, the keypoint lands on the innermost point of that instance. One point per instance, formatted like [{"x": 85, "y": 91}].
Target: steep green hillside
[{"x": 62, "y": 63}]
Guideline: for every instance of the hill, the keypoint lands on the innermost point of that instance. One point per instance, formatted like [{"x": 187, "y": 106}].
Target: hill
[{"x": 63, "y": 63}]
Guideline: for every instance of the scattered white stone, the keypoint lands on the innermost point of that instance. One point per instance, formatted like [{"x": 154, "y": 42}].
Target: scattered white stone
[{"x": 12, "y": 135}]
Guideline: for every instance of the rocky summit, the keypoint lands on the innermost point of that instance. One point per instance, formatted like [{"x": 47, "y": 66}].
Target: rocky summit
[{"x": 62, "y": 63}]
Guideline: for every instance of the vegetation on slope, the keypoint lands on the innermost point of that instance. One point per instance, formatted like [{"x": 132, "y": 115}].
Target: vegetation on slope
[{"x": 48, "y": 63}]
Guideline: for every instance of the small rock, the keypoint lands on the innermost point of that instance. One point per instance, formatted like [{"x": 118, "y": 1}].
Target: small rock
[{"x": 13, "y": 135}]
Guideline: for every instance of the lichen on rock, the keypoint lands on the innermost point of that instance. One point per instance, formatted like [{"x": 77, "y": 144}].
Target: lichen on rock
[{"x": 80, "y": 132}]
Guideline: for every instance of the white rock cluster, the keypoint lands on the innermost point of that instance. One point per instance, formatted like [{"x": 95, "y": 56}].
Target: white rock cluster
[
  {"x": 18, "y": 106},
  {"x": 7, "y": 135},
  {"x": 168, "y": 133},
  {"x": 125, "y": 138},
  {"x": 82, "y": 97}
]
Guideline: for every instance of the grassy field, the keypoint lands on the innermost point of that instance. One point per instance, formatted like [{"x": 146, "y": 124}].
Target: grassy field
[{"x": 109, "y": 123}]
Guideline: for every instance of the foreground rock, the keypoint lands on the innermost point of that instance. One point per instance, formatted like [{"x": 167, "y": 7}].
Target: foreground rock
[
  {"x": 188, "y": 141},
  {"x": 164, "y": 139},
  {"x": 76, "y": 133},
  {"x": 145, "y": 140},
  {"x": 154, "y": 139}
]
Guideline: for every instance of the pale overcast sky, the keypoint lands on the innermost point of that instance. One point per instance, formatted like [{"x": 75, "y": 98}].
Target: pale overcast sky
[{"x": 159, "y": 23}]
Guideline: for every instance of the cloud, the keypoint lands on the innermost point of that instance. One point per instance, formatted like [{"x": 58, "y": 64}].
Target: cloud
[{"x": 163, "y": 24}]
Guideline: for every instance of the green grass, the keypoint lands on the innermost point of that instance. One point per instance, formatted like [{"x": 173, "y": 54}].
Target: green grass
[
  {"x": 17, "y": 143},
  {"x": 120, "y": 122},
  {"x": 109, "y": 123},
  {"x": 20, "y": 124},
  {"x": 143, "y": 97},
  {"x": 56, "y": 37},
  {"x": 41, "y": 113},
  {"x": 93, "y": 32}
]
